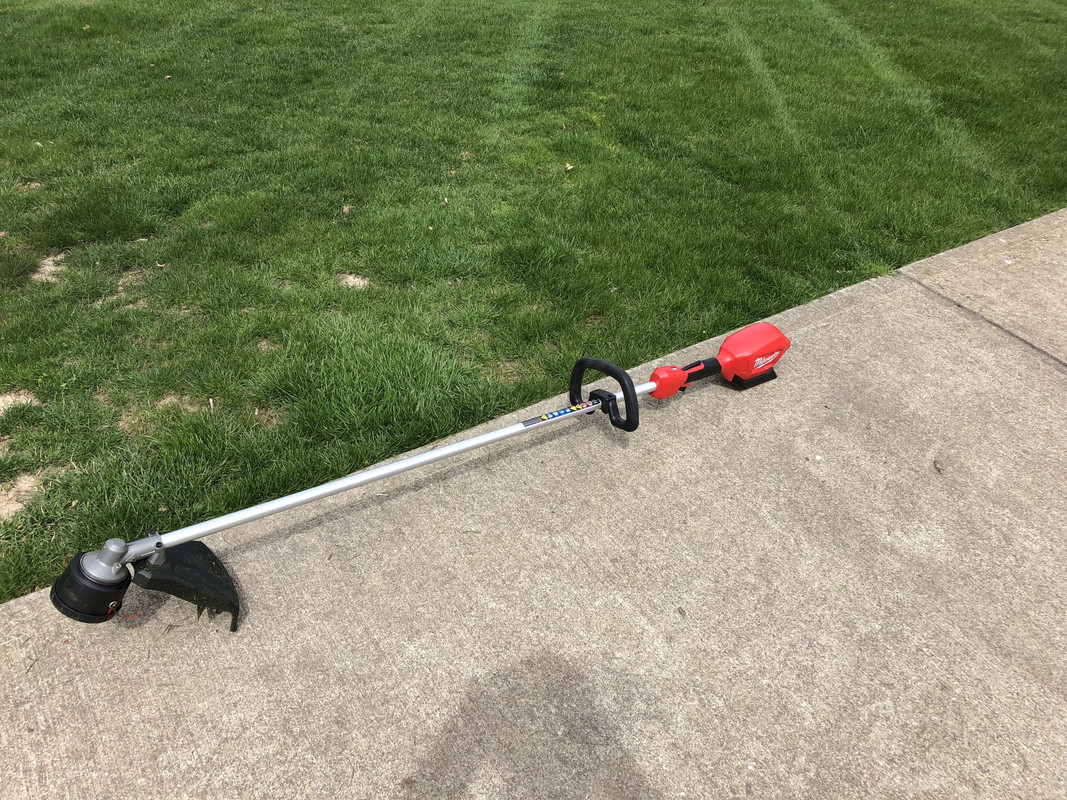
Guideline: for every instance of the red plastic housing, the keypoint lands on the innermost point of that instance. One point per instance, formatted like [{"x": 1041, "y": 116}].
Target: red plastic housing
[
  {"x": 668, "y": 381},
  {"x": 752, "y": 351},
  {"x": 747, "y": 354}
]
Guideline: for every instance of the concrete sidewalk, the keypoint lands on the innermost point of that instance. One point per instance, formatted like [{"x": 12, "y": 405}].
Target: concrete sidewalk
[{"x": 850, "y": 582}]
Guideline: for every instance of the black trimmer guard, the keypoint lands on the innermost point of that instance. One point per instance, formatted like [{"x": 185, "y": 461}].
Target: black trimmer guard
[{"x": 192, "y": 572}]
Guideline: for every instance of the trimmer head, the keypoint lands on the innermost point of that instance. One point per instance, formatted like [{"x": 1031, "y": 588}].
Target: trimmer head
[
  {"x": 93, "y": 585},
  {"x": 86, "y": 594}
]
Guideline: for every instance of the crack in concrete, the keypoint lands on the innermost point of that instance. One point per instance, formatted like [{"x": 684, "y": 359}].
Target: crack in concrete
[{"x": 1059, "y": 362}]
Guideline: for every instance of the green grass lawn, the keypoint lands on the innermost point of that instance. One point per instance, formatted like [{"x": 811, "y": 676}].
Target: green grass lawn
[{"x": 211, "y": 170}]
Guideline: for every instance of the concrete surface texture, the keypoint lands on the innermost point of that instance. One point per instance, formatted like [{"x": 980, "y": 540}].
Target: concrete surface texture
[{"x": 849, "y": 582}]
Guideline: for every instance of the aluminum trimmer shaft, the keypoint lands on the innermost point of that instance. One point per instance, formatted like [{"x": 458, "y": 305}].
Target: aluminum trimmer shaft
[
  {"x": 93, "y": 585},
  {"x": 145, "y": 547}
]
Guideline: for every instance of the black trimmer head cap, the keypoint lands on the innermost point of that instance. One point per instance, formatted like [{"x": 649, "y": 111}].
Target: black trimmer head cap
[{"x": 82, "y": 597}]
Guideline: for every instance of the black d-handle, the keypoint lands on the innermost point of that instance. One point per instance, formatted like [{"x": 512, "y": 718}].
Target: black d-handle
[{"x": 608, "y": 403}]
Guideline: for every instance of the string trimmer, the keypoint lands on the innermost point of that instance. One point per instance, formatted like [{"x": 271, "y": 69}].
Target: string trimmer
[{"x": 93, "y": 585}]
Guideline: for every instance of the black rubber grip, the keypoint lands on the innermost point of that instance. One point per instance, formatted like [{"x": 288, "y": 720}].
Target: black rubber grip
[
  {"x": 608, "y": 402},
  {"x": 707, "y": 369}
]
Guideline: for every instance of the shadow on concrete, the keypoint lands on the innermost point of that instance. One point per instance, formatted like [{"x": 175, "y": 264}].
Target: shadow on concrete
[{"x": 535, "y": 730}]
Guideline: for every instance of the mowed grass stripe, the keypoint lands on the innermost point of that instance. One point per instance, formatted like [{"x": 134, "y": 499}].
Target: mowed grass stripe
[
  {"x": 967, "y": 152},
  {"x": 871, "y": 103}
]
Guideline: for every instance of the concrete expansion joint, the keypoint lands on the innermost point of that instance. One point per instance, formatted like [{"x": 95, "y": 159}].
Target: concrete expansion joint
[{"x": 1058, "y": 362}]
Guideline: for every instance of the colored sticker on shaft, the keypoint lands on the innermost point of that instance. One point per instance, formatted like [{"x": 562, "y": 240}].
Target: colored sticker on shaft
[{"x": 560, "y": 413}]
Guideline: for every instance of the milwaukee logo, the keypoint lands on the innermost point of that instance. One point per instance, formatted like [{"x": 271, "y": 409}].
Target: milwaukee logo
[{"x": 763, "y": 361}]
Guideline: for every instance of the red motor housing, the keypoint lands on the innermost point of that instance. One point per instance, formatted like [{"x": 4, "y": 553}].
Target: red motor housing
[
  {"x": 752, "y": 351},
  {"x": 746, "y": 358}
]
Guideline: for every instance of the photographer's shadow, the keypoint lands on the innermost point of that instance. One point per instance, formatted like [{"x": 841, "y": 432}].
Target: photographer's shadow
[{"x": 536, "y": 730}]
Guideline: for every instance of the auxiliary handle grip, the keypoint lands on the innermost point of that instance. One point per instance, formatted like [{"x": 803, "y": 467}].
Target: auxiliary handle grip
[{"x": 608, "y": 403}]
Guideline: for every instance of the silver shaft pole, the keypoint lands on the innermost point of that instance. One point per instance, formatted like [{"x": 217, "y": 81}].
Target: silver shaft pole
[{"x": 143, "y": 547}]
